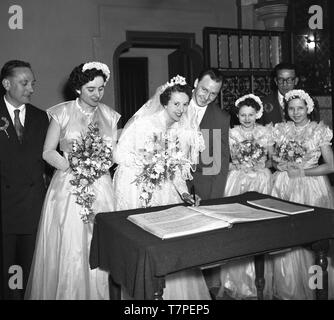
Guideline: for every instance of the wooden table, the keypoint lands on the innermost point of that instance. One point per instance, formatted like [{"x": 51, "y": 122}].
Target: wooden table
[{"x": 139, "y": 261}]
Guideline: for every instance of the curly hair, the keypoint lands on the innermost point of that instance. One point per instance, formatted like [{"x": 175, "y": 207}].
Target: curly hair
[
  {"x": 78, "y": 78},
  {"x": 247, "y": 102},
  {"x": 165, "y": 96}
]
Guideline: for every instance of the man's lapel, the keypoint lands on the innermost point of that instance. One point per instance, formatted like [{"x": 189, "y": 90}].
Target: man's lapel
[{"x": 206, "y": 117}]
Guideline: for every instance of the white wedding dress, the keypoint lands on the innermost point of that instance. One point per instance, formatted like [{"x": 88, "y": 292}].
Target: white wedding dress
[
  {"x": 183, "y": 285},
  {"x": 60, "y": 268}
]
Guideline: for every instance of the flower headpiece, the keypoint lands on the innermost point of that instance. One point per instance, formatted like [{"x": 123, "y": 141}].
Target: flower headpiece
[
  {"x": 259, "y": 113},
  {"x": 301, "y": 94},
  {"x": 176, "y": 80},
  {"x": 99, "y": 66}
]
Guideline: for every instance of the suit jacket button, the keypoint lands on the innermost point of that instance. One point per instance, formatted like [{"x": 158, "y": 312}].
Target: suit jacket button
[
  {"x": 7, "y": 186},
  {"x": 32, "y": 184}
]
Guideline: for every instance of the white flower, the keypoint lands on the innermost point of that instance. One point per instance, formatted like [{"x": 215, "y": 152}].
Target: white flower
[
  {"x": 175, "y": 80},
  {"x": 256, "y": 99},
  {"x": 301, "y": 94},
  {"x": 99, "y": 66}
]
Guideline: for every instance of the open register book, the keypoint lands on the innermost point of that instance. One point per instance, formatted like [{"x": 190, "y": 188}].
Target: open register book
[
  {"x": 280, "y": 206},
  {"x": 180, "y": 221}
]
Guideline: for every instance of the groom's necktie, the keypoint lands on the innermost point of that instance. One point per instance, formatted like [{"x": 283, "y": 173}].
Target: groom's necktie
[{"x": 18, "y": 125}]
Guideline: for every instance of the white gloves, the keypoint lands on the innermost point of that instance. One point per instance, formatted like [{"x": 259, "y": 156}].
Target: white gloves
[{"x": 56, "y": 160}]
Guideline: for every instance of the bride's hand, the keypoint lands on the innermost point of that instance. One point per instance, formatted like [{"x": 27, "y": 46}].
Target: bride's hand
[{"x": 188, "y": 198}]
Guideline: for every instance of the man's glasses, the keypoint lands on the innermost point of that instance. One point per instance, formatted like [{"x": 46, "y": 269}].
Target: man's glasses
[{"x": 290, "y": 80}]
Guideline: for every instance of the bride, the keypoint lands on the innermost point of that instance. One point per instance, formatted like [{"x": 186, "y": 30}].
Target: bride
[{"x": 164, "y": 117}]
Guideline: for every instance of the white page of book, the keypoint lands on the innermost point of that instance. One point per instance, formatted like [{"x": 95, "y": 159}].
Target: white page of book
[
  {"x": 280, "y": 206},
  {"x": 236, "y": 212}
]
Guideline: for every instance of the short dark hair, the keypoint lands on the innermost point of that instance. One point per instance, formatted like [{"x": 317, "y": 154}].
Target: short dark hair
[
  {"x": 285, "y": 66},
  {"x": 78, "y": 78},
  {"x": 248, "y": 102},
  {"x": 165, "y": 96},
  {"x": 213, "y": 73},
  {"x": 8, "y": 67}
]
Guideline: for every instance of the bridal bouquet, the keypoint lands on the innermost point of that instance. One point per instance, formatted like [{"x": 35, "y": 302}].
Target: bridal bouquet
[
  {"x": 159, "y": 160},
  {"x": 289, "y": 151},
  {"x": 91, "y": 157},
  {"x": 247, "y": 153}
]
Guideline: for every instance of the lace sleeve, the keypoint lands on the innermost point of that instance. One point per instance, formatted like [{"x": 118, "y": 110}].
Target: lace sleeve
[
  {"x": 125, "y": 148},
  {"x": 180, "y": 183}
]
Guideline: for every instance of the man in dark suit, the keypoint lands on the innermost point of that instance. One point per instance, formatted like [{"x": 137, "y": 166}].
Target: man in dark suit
[
  {"x": 211, "y": 172},
  {"x": 286, "y": 79},
  {"x": 22, "y": 135}
]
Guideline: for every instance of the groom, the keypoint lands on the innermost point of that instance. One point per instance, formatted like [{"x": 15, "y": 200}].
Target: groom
[
  {"x": 23, "y": 129},
  {"x": 211, "y": 172}
]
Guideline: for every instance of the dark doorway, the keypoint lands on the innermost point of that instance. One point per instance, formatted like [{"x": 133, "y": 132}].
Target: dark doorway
[
  {"x": 187, "y": 61},
  {"x": 133, "y": 81}
]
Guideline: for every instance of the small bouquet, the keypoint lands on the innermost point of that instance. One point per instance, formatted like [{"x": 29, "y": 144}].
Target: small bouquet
[
  {"x": 91, "y": 157},
  {"x": 247, "y": 153},
  {"x": 289, "y": 151},
  {"x": 160, "y": 159}
]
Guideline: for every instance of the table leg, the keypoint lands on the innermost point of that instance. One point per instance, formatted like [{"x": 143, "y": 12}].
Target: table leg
[
  {"x": 114, "y": 289},
  {"x": 320, "y": 249},
  {"x": 259, "y": 275}
]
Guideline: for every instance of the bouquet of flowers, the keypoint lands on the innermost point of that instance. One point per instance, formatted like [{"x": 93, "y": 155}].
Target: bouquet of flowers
[
  {"x": 91, "y": 157},
  {"x": 247, "y": 153},
  {"x": 160, "y": 159},
  {"x": 290, "y": 151}
]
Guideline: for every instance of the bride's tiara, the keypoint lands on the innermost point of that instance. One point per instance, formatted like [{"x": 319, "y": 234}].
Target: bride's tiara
[
  {"x": 175, "y": 80},
  {"x": 99, "y": 66}
]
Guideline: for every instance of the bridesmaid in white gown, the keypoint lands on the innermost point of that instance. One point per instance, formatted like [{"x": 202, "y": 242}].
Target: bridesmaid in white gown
[
  {"x": 60, "y": 269},
  {"x": 302, "y": 179},
  {"x": 164, "y": 115},
  {"x": 247, "y": 172}
]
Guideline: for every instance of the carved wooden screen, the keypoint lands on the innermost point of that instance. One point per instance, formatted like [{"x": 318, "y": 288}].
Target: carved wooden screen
[{"x": 246, "y": 58}]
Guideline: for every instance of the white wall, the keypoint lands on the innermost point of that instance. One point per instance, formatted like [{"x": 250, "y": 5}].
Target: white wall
[{"x": 57, "y": 35}]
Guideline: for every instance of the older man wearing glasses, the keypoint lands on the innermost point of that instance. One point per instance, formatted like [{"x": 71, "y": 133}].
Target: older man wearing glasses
[{"x": 286, "y": 79}]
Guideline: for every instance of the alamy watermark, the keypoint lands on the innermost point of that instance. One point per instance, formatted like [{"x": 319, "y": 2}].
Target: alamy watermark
[
  {"x": 16, "y": 279},
  {"x": 16, "y": 17},
  {"x": 316, "y": 279},
  {"x": 316, "y": 21}
]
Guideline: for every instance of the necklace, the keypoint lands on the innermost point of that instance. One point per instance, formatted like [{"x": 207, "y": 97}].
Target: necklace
[
  {"x": 301, "y": 128},
  {"x": 247, "y": 133},
  {"x": 88, "y": 114}
]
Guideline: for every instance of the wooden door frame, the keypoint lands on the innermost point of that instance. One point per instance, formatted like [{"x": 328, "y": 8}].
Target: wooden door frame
[{"x": 153, "y": 40}]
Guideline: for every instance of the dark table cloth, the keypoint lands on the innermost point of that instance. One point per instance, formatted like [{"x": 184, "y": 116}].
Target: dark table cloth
[{"x": 139, "y": 260}]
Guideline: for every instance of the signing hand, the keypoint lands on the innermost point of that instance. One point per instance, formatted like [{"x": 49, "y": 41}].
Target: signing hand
[{"x": 188, "y": 198}]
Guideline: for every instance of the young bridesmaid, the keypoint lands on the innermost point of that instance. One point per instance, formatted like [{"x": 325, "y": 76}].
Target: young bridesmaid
[
  {"x": 299, "y": 143},
  {"x": 249, "y": 146}
]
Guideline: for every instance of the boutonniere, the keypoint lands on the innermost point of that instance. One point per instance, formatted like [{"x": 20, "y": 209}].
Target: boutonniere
[{"x": 5, "y": 125}]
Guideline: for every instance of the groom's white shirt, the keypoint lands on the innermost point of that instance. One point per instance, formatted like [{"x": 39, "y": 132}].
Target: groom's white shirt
[
  {"x": 198, "y": 112},
  {"x": 11, "y": 109}
]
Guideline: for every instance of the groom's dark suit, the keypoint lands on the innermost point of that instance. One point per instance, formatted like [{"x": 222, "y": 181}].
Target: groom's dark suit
[
  {"x": 22, "y": 185},
  {"x": 210, "y": 184}
]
